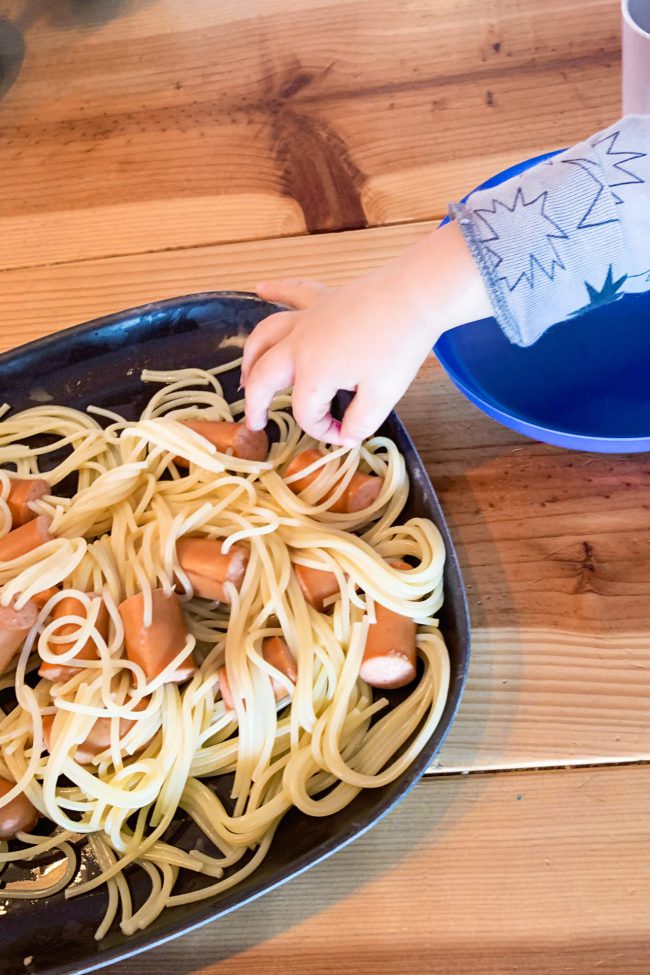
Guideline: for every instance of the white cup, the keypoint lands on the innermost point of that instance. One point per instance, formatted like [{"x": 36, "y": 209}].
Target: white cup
[{"x": 636, "y": 57}]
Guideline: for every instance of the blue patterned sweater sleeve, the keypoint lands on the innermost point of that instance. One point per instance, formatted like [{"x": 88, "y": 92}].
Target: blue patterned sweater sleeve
[{"x": 570, "y": 233}]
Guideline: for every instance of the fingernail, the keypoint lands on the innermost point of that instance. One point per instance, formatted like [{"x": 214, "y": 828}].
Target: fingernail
[
  {"x": 256, "y": 425},
  {"x": 349, "y": 442}
]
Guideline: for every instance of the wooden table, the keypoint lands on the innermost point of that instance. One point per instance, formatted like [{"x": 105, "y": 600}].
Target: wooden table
[{"x": 157, "y": 147}]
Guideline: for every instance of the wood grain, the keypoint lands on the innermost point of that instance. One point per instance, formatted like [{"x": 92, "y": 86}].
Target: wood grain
[
  {"x": 529, "y": 873},
  {"x": 543, "y": 698},
  {"x": 554, "y": 545},
  {"x": 39, "y": 300},
  {"x": 141, "y": 125}
]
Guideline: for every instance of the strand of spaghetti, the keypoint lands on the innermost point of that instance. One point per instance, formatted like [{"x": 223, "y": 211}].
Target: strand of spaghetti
[
  {"x": 28, "y": 701},
  {"x": 39, "y": 846},
  {"x": 172, "y": 798},
  {"x": 90, "y": 509},
  {"x": 42, "y": 568},
  {"x": 231, "y": 881},
  {"x": 163, "y": 853},
  {"x": 106, "y": 859},
  {"x": 155, "y": 905},
  {"x": 180, "y": 440}
]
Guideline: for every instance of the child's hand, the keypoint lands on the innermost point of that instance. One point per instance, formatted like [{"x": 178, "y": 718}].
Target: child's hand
[
  {"x": 354, "y": 337},
  {"x": 369, "y": 337}
]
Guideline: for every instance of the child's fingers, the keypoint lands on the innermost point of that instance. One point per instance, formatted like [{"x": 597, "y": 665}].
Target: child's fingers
[
  {"x": 297, "y": 292},
  {"x": 271, "y": 373},
  {"x": 311, "y": 404},
  {"x": 263, "y": 337},
  {"x": 367, "y": 411}
]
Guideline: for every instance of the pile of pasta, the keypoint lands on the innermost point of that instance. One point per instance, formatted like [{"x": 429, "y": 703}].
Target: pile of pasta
[{"x": 203, "y": 604}]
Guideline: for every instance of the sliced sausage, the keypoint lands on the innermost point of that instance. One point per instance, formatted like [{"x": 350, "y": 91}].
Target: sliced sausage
[
  {"x": 21, "y": 540},
  {"x": 360, "y": 493},
  {"x": 277, "y": 653},
  {"x": 298, "y": 464},
  {"x": 208, "y": 568},
  {"x": 390, "y": 655},
  {"x": 224, "y": 687},
  {"x": 154, "y": 647},
  {"x": 230, "y": 438},
  {"x": 317, "y": 585},
  {"x": 22, "y": 491},
  {"x": 99, "y": 736},
  {"x": 15, "y": 624},
  {"x": 70, "y": 606},
  {"x": 17, "y": 816},
  {"x": 42, "y": 597}
]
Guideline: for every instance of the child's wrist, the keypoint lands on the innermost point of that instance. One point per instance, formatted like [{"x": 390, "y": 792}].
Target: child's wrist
[{"x": 441, "y": 282}]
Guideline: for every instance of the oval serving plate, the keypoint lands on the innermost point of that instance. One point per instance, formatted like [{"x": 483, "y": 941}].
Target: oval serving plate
[{"x": 100, "y": 363}]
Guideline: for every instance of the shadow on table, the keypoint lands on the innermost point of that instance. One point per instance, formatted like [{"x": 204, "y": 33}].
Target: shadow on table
[
  {"x": 420, "y": 821},
  {"x": 70, "y": 14},
  {"x": 60, "y": 14},
  {"x": 12, "y": 53}
]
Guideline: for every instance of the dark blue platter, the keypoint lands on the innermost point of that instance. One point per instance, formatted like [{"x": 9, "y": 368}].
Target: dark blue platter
[{"x": 100, "y": 363}]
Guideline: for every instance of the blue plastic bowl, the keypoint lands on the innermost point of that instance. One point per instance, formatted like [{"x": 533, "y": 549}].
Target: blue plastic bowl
[{"x": 583, "y": 385}]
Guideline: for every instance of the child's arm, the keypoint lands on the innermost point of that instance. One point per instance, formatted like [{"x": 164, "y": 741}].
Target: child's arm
[
  {"x": 568, "y": 234},
  {"x": 536, "y": 250}
]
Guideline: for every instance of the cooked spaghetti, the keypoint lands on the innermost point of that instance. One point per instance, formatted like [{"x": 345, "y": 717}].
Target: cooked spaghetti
[{"x": 201, "y": 606}]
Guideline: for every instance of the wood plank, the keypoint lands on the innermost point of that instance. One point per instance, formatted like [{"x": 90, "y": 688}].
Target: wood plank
[
  {"x": 554, "y": 545},
  {"x": 159, "y": 125},
  {"x": 529, "y": 873},
  {"x": 543, "y": 698},
  {"x": 39, "y": 300}
]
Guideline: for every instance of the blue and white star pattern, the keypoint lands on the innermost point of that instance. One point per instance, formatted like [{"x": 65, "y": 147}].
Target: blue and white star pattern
[
  {"x": 525, "y": 220},
  {"x": 566, "y": 235}
]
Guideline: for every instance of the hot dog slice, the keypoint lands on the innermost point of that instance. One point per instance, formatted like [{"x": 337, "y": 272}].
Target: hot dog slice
[
  {"x": 317, "y": 585},
  {"x": 98, "y": 738},
  {"x": 229, "y": 437},
  {"x": 360, "y": 493},
  {"x": 208, "y": 568},
  {"x": 299, "y": 463},
  {"x": 224, "y": 687},
  {"x": 154, "y": 647},
  {"x": 277, "y": 653},
  {"x": 70, "y": 606},
  {"x": 390, "y": 656},
  {"x": 22, "y": 490},
  {"x": 15, "y": 624},
  {"x": 17, "y": 816},
  {"x": 40, "y": 598},
  {"x": 21, "y": 540}
]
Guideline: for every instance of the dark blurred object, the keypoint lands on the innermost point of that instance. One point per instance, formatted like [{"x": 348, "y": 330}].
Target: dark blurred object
[{"x": 12, "y": 52}]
